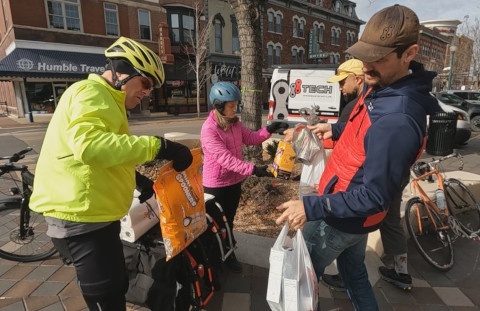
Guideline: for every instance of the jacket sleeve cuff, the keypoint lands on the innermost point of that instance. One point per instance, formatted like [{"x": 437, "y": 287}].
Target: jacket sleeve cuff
[{"x": 314, "y": 207}]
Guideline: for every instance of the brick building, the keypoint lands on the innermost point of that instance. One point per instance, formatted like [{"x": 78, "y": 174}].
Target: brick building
[{"x": 53, "y": 43}]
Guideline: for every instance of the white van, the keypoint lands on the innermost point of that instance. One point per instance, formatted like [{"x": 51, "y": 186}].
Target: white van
[{"x": 294, "y": 88}]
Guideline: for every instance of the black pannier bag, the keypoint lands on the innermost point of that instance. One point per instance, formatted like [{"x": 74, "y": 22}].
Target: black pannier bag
[
  {"x": 152, "y": 280},
  {"x": 197, "y": 280}
]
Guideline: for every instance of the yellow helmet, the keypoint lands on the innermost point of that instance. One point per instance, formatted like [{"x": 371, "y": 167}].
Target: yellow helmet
[{"x": 141, "y": 58}]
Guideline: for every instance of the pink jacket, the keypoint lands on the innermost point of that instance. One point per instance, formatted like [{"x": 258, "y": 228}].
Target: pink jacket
[{"x": 223, "y": 163}]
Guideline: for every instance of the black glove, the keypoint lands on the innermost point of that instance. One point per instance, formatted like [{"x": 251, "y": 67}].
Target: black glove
[
  {"x": 178, "y": 153},
  {"x": 144, "y": 186},
  {"x": 261, "y": 171},
  {"x": 277, "y": 127}
]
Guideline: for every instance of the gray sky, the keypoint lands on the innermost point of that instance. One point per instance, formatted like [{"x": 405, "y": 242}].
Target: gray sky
[{"x": 425, "y": 9}]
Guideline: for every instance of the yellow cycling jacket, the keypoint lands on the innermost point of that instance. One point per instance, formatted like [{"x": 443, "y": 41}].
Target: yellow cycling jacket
[{"x": 86, "y": 168}]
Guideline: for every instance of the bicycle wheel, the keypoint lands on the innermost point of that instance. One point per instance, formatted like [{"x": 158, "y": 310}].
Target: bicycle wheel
[
  {"x": 435, "y": 246},
  {"x": 462, "y": 205},
  {"x": 34, "y": 246}
]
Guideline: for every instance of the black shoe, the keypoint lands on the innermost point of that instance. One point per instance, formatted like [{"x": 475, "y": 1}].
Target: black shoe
[
  {"x": 233, "y": 264},
  {"x": 333, "y": 282},
  {"x": 401, "y": 280}
]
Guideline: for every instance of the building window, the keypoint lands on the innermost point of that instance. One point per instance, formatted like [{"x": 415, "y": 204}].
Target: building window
[
  {"x": 64, "y": 14},
  {"x": 278, "y": 24},
  {"x": 337, "y": 6},
  {"x": 182, "y": 26},
  {"x": 321, "y": 30},
  {"x": 300, "y": 57},
  {"x": 301, "y": 29},
  {"x": 270, "y": 55},
  {"x": 235, "y": 40},
  {"x": 218, "y": 36},
  {"x": 144, "y": 24},
  {"x": 294, "y": 56},
  {"x": 111, "y": 19},
  {"x": 188, "y": 23},
  {"x": 295, "y": 27},
  {"x": 270, "y": 22},
  {"x": 278, "y": 55}
]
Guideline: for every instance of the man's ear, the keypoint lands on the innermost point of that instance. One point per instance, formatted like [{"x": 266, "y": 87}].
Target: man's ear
[{"x": 410, "y": 53}]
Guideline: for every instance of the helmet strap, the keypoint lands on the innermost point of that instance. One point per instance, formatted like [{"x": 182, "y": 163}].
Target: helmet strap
[{"x": 118, "y": 83}]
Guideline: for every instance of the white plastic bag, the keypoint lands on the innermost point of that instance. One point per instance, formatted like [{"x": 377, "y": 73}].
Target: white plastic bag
[
  {"x": 140, "y": 218},
  {"x": 311, "y": 173},
  {"x": 292, "y": 283}
]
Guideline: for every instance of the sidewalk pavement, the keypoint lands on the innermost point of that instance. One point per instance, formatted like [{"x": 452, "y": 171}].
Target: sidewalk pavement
[{"x": 50, "y": 285}]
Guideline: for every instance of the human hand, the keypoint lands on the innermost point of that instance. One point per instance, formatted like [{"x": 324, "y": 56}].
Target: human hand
[
  {"x": 144, "y": 185},
  {"x": 178, "y": 153},
  {"x": 275, "y": 126},
  {"x": 322, "y": 130},
  {"x": 261, "y": 171},
  {"x": 288, "y": 135},
  {"x": 294, "y": 213}
]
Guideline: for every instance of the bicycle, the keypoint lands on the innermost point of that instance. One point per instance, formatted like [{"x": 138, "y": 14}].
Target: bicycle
[
  {"x": 22, "y": 232},
  {"x": 434, "y": 229}
]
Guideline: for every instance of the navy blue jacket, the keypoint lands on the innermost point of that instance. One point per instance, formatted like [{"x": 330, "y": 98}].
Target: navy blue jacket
[{"x": 371, "y": 160}]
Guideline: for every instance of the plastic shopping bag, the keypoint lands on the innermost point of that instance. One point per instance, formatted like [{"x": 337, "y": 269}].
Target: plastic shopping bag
[
  {"x": 140, "y": 218},
  {"x": 305, "y": 143},
  {"x": 311, "y": 173},
  {"x": 292, "y": 282},
  {"x": 181, "y": 204}
]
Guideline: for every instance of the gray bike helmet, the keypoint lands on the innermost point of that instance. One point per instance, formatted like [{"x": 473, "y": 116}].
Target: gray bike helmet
[{"x": 222, "y": 92}]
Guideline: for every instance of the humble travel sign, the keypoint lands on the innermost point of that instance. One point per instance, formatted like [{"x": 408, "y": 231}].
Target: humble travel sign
[
  {"x": 25, "y": 62},
  {"x": 29, "y": 65}
]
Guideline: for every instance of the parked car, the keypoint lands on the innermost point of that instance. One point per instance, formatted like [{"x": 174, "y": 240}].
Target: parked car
[
  {"x": 471, "y": 107},
  {"x": 469, "y": 96},
  {"x": 463, "y": 132}
]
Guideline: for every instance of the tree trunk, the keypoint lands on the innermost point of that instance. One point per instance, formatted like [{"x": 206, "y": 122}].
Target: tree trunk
[{"x": 248, "y": 15}]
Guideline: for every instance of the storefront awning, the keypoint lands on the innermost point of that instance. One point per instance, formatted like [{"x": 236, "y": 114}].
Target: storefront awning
[{"x": 34, "y": 63}]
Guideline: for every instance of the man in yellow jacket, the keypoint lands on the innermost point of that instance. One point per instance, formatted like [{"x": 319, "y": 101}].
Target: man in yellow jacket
[{"x": 85, "y": 175}]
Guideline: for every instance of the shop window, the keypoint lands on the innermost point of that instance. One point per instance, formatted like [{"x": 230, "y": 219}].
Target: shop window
[
  {"x": 64, "y": 14},
  {"x": 40, "y": 96},
  {"x": 144, "y": 24},
  {"x": 111, "y": 19}
]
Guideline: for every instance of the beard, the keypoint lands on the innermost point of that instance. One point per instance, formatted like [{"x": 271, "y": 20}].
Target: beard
[{"x": 351, "y": 96}]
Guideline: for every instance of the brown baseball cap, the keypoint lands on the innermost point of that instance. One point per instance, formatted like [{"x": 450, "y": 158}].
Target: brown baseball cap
[{"x": 388, "y": 29}]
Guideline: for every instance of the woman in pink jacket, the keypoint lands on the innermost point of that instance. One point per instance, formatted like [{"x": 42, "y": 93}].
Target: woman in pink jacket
[{"x": 222, "y": 138}]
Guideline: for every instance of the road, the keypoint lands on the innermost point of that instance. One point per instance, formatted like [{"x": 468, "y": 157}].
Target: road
[{"x": 18, "y": 138}]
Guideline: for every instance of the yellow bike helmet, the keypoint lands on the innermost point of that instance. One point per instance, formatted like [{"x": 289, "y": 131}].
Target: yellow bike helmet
[{"x": 142, "y": 58}]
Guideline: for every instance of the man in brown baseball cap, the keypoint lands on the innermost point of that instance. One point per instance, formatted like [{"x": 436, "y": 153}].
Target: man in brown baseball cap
[{"x": 370, "y": 164}]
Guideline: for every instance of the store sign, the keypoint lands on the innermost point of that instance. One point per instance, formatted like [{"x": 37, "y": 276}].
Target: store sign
[
  {"x": 28, "y": 65},
  {"x": 225, "y": 71}
]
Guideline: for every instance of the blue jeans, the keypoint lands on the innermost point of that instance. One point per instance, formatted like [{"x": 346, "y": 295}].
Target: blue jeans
[{"x": 325, "y": 244}]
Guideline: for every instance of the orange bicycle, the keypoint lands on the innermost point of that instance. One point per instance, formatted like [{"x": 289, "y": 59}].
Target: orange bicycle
[{"x": 435, "y": 225}]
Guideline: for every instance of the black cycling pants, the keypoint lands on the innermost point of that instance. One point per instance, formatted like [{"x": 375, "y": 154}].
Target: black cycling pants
[
  {"x": 100, "y": 266},
  {"x": 228, "y": 197}
]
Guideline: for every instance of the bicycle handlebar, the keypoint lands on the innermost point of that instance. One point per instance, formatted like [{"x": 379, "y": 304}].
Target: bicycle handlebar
[
  {"x": 455, "y": 154},
  {"x": 17, "y": 156}
]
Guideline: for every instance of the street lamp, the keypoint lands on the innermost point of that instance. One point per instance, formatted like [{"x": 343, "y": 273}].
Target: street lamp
[{"x": 453, "y": 48}]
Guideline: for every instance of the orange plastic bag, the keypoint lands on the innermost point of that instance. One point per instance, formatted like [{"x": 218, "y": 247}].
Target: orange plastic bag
[{"x": 181, "y": 204}]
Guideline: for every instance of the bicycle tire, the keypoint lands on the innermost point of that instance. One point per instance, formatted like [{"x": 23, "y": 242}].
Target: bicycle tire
[
  {"x": 36, "y": 246},
  {"x": 462, "y": 205},
  {"x": 434, "y": 246}
]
